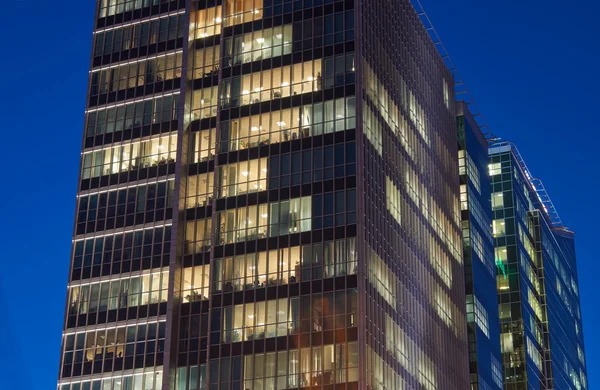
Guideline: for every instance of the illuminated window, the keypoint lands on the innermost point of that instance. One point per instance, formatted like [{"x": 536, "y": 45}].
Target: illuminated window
[
  {"x": 501, "y": 255},
  {"x": 199, "y": 190},
  {"x": 504, "y": 311},
  {"x": 497, "y": 200},
  {"x": 502, "y": 283},
  {"x": 495, "y": 169},
  {"x": 464, "y": 204},
  {"x": 119, "y": 293},
  {"x": 498, "y": 227},
  {"x": 462, "y": 168},
  {"x": 208, "y": 22},
  {"x": 195, "y": 283},
  {"x": 242, "y": 178},
  {"x": 506, "y": 342}
]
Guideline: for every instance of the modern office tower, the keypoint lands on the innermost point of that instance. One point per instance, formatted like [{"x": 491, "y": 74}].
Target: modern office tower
[
  {"x": 268, "y": 200},
  {"x": 540, "y": 319},
  {"x": 483, "y": 324}
]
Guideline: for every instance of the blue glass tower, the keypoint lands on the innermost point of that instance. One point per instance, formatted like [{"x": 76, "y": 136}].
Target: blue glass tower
[
  {"x": 478, "y": 252},
  {"x": 540, "y": 319}
]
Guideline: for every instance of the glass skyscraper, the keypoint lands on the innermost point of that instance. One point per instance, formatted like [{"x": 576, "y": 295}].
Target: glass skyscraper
[
  {"x": 483, "y": 325},
  {"x": 540, "y": 318},
  {"x": 269, "y": 199}
]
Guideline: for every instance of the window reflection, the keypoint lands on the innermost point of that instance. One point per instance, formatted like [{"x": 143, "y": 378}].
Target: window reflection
[{"x": 153, "y": 152}]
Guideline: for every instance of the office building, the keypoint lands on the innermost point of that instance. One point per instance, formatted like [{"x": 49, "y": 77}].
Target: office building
[
  {"x": 540, "y": 318},
  {"x": 483, "y": 324},
  {"x": 268, "y": 199}
]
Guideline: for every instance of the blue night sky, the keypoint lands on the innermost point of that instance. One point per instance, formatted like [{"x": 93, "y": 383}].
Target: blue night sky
[{"x": 531, "y": 66}]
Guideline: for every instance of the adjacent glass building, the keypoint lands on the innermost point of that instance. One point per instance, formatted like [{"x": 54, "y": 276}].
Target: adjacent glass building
[
  {"x": 268, "y": 199},
  {"x": 540, "y": 318},
  {"x": 483, "y": 324}
]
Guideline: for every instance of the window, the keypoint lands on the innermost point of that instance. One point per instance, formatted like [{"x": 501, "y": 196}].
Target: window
[
  {"x": 253, "y": 321},
  {"x": 242, "y": 224},
  {"x": 206, "y": 62},
  {"x": 498, "y": 227},
  {"x": 506, "y": 342},
  {"x": 495, "y": 169},
  {"x": 256, "y": 270},
  {"x": 137, "y": 74},
  {"x": 151, "y": 380},
  {"x": 242, "y": 178},
  {"x": 504, "y": 310},
  {"x": 446, "y": 93},
  {"x": 195, "y": 283},
  {"x": 258, "y": 45},
  {"x": 135, "y": 155},
  {"x": 393, "y": 199},
  {"x": 199, "y": 190},
  {"x": 290, "y": 216},
  {"x": 131, "y": 115},
  {"x": 113, "y": 7},
  {"x": 286, "y": 265},
  {"x": 113, "y": 253},
  {"x": 191, "y": 378},
  {"x": 204, "y": 103},
  {"x": 464, "y": 203},
  {"x": 242, "y": 11},
  {"x": 272, "y": 84},
  {"x": 306, "y": 367},
  {"x": 204, "y": 145},
  {"x": 138, "y": 204},
  {"x": 119, "y": 294},
  {"x": 197, "y": 236},
  {"x": 102, "y": 348},
  {"x": 288, "y": 124},
  {"x": 501, "y": 256},
  {"x": 502, "y": 283},
  {"x": 497, "y": 200},
  {"x": 208, "y": 23}
]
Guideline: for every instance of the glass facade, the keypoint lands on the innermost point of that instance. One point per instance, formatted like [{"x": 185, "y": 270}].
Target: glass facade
[
  {"x": 538, "y": 296},
  {"x": 483, "y": 330},
  {"x": 268, "y": 199}
]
